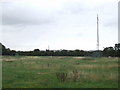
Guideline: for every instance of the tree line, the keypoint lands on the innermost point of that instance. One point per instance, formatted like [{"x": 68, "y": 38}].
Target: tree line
[{"x": 108, "y": 51}]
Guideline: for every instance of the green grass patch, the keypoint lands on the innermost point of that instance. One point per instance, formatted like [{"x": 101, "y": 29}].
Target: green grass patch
[{"x": 40, "y": 72}]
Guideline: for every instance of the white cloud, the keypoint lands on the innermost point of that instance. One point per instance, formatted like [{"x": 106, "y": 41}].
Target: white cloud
[{"x": 62, "y": 24}]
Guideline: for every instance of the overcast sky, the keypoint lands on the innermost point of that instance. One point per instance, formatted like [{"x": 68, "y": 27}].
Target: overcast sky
[{"x": 61, "y": 24}]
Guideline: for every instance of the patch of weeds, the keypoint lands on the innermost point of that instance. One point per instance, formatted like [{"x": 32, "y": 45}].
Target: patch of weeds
[
  {"x": 75, "y": 75},
  {"x": 89, "y": 58},
  {"x": 61, "y": 76}
]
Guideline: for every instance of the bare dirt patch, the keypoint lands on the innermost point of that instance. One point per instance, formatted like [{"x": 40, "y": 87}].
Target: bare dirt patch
[
  {"x": 79, "y": 57},
  {"x": 41, "y": 73},
  {"x": 9, "y": 60}
]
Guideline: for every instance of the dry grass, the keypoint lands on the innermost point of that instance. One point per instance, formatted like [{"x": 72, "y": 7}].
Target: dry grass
[
  {"x": 8, "y": 60},
  {"x": 91, "y": 66},
  {"x": 96, "y": 76},
  {"x": 41, "y": 73},
  {"x": 36, "y": 69},
  {"x": 78, "y": 57}
]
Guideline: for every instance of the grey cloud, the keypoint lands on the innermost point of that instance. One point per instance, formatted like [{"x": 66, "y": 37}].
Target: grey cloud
[
  {"x": 73, "y": 7},
  {"x": 22, "y": 15},
  {"x": 23, "y": 19},
  {"x": 119, "y": 22},
  {"x": 71, "y": 21},
  {"x": 111, "y": 24},
  {"x": 79, "y": 34}
]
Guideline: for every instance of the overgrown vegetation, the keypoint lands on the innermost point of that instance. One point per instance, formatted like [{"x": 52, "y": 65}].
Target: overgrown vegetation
[
  {"x": 59, "y": 72},
  {"x": 61, "y": 76},
  {"x": 75, "y": 75}
]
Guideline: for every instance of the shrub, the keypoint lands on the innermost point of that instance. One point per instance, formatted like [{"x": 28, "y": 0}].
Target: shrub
[
  {"x": 75, "y": 75},
  {"x": 61, "y": 76}
]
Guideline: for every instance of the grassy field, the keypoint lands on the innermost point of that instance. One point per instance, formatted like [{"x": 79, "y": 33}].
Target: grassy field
[{"x": 40, "y": 72}]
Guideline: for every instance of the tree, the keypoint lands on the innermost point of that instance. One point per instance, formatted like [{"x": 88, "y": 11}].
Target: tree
[
  {"x": 5, "y": 51},
  {"x": 117, "y": 50},
  {"x": 117, "y": 47},
  {"x": 36, "y": 50},
  {"x": 109, "y": 51}
]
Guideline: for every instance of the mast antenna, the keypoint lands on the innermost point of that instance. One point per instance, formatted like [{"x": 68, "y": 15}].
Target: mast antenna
[
  {"x": 48, "y": 47},
  {"x": 97, "y": 32}
]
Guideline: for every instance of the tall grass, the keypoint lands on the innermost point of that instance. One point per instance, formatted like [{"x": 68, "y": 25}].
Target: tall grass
[{"x": 40, "y": 72}]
